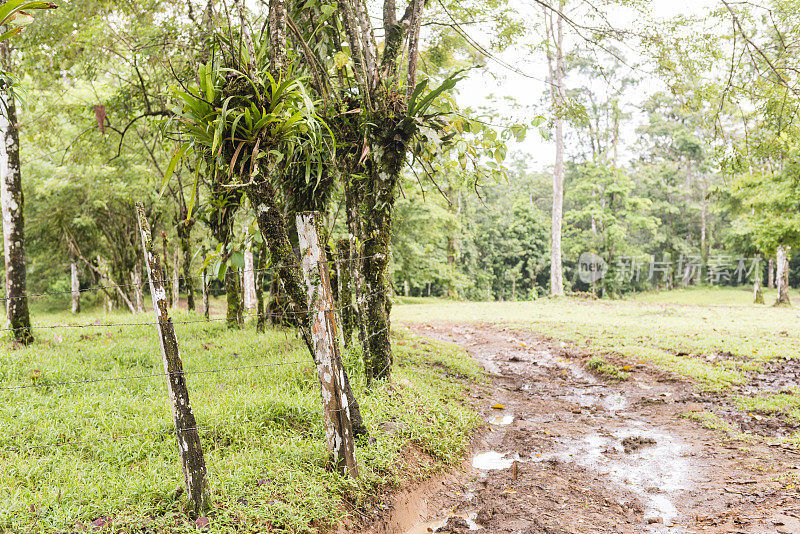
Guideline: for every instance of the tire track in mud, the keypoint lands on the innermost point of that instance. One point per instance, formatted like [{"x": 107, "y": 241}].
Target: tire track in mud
[{"x": 565, "y": 451}]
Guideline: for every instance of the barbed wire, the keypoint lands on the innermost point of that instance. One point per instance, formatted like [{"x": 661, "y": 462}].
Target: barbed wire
[
  {"x": 266, "y": 315},
  {"x": 151, "y": 375},
  {"x": 167, "y": 280},
  {"x": 172, "y": 431},
  {"x": 72, "y": 383}
]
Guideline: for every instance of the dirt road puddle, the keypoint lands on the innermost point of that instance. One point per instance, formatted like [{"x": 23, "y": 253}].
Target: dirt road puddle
[
  {"x": 501, "y": 420},
  {"x": 493, "y": 460},
  {"x": 464, "y": 521},
  {"x": 649, "y": 463}
]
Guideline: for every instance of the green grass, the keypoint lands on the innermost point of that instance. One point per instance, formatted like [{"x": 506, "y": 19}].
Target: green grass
[
  {"x": 787, "y": 404},
  {"x": 72, "y": 453},
  {"x": 715, "y": 345},
  {"x": 613, "y": 372},
  {"x": 711, "y": 296}
]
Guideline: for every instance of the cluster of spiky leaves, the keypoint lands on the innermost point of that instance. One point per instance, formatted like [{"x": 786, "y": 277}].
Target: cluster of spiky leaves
[{"x": 247, "y": 124}]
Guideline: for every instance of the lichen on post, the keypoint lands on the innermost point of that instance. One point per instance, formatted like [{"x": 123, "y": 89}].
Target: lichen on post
[
  {"x": 191, "y": 452},
  {"x": 332, "y": 376}
]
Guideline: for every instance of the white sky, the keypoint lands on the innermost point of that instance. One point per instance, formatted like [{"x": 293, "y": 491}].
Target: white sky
[{"x": 497, "y": 87}]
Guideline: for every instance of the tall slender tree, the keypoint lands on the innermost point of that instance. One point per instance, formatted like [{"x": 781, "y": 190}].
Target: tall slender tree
[
  {"x": 13, "y": 204},
  {"x": 555, "y": 62}
]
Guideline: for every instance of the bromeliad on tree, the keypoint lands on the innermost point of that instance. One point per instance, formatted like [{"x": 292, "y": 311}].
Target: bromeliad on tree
[{"x": 254, "y": 124}]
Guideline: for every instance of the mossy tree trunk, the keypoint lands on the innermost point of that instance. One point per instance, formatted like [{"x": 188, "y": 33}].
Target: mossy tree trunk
[
  {"x": 345, "y": 291},
  {"x": 389, "y": 150},
  {"x": 356, "y": 262},
  {"x": 226, "y": 202},
  {"x": 185, "y": 236},
  {"x": 233, "y": 295}
]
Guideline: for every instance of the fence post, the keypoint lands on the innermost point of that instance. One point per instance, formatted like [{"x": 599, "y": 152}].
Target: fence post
[
  {"x": 335, "y": 406},
  {"x": 194, "y": 464}
]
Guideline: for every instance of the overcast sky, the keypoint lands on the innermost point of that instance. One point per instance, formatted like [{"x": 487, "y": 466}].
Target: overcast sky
[{"x": 498, "y": 86}]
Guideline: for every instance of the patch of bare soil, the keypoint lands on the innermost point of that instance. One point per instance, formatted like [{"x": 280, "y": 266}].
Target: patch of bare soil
[
  {"x": 778, "y": 376},
  {"x": 567, "y": 452}
]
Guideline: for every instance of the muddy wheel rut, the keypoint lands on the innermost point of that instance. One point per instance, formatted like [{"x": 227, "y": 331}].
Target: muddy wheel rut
[{"x": 566, "y": 451}]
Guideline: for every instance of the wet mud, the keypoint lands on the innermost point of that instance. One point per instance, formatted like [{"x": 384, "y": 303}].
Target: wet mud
[{"x": 570, "y": 452}]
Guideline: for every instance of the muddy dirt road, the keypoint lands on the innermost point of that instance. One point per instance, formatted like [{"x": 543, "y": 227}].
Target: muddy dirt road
[{"x": 566, "y": 451}]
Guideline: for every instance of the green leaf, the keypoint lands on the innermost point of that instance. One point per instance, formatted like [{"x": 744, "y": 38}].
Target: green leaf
[
  {"x": 180, "y": 152},
  {"x": 237, "y": 259}
]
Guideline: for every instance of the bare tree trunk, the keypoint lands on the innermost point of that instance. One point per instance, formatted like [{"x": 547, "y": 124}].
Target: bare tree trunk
[
  {"x": 75, "y": 285},
  {"x": 782, "y": 277},
  {"x": 771, "y": 274},
  {"x": 136, "y": 280},
  {"x": 758, "y": 295},
  {"x": 703, "y": 231},
  {"x": 558, "y": 98},
  {"x": 105, "y": 277},
  {"x": 12, "y": 201},
  {"x": 249, "y": 278}
]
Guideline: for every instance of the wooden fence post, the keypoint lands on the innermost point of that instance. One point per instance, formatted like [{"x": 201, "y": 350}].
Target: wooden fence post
[
  {"x": 194, "y": 464},
  {"x": 335, "y": 406}
]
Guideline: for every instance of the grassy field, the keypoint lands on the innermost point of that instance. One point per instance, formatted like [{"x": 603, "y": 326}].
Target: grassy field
[
  {"x": 74, "y": 450},
  {"x": 715, "y": 338}
]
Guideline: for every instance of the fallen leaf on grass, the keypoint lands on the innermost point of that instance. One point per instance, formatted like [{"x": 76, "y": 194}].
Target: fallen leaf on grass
[
  {"x": 498, "y": 406},
  {"x": 202, "y": 522}
]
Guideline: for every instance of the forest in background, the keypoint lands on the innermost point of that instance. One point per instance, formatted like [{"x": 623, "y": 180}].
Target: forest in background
[{"x": 699, "y": 171}]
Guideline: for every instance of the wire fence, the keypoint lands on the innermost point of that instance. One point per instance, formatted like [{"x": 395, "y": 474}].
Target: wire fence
[
  {"x": 53, "y": 387},
  {"x": 207, "y": 277}
]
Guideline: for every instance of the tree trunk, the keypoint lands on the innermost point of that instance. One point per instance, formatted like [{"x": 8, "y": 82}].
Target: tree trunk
[
  {"x": 355, "y": 261},
  {"x": 136, "y": 280},
  {"x": 176, "y": 279},
  {"x": 272, "y": 225},
  {"x": 233, "y": 292},
  {"x": 558, "y": 99},
  {"x": 758, "y": 295},
  {"x": 249, "y": 278},
  {"x": 771, "y": 274},
  {"x": 345, "y": 291},
  {"x": 105, "y": 277},
  {"x": 12, "y": 201},
  {"x": 389, "y": 158},
  {"x": 186, "y": 249},
  {"x": 703, "y": 237},
  {"x": 166, "y": 281},
  {"x": 261, "y": 276},
  {"x": 75, "y": 285},
  {"x": 286, "y": 266},
  {"x": 206, "y": 311},
  {"x": 782, "y": 277}
]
